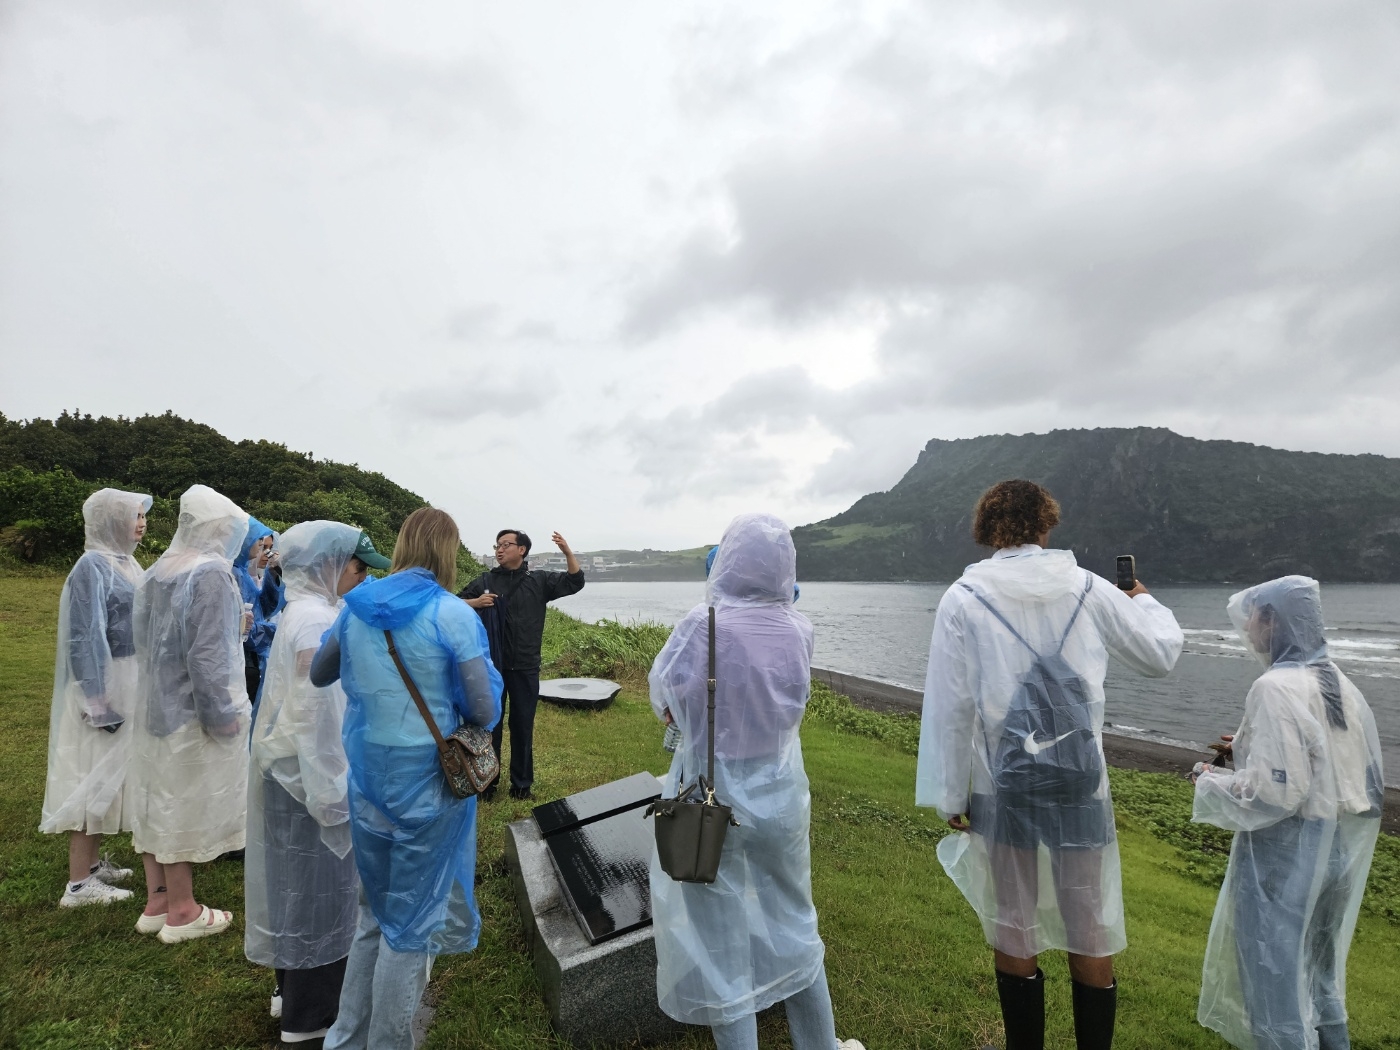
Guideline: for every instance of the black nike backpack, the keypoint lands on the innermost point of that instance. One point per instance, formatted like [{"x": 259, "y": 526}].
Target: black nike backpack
[{"x": 1047, "y": 749}]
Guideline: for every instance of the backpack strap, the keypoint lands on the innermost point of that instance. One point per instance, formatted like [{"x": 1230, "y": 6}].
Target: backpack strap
[
  {"x": 1004, "y": 621},
  {"x": 1016, "y": 634},
  {"x": 1070, "y": 626}
]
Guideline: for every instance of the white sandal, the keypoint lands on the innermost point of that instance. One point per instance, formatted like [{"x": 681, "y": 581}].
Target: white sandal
[
  {"x": 149, "y": 924},
  {"x": 209, "y": 922}
]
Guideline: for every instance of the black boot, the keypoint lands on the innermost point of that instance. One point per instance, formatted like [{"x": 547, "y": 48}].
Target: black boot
[
  {"x": 1022, "y": 1010},
  {"x": 1094, "y": 1011}
]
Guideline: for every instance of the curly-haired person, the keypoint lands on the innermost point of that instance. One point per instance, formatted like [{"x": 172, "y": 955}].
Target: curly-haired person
[{"x": 1011, "y": 755}]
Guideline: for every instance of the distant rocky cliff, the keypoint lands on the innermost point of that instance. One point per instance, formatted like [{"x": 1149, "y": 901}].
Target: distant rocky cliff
[{"x": 1189, "y": 510}]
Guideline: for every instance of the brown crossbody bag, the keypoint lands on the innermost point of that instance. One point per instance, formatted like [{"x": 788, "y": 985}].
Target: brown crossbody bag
[
  {"x": 691, "y": 828},
  {"x": 468, "y": 760}
]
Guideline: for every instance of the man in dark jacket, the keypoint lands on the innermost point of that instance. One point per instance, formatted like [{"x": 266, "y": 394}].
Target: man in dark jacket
[{"x": 519, "y": 597}]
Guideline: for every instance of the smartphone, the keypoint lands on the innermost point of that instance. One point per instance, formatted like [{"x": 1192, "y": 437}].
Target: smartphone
[{"x": 1127, "y": 572}]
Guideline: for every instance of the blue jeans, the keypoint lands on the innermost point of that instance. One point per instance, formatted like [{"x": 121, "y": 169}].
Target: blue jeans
[
  {"x": 811, "y": 1024},
  {"x": 1283, "y": 950},
  {"x": 381, "y": 992}
]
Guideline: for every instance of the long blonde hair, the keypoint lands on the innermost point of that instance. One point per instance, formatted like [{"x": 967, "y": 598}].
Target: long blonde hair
[{"x": 428, "y": 540}]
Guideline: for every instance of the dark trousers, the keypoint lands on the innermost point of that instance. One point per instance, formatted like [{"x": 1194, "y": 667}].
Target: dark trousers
[
  {"x": 518, "y": 702},
  {"x": 310, "y": 998}
]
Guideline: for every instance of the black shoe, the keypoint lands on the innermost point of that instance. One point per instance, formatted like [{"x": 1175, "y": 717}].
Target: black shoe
[
  {"x": 1023, "y": 1010},
  {"x": 488, "y": 794},
  {"x": 1094, "y": 1012},
  {"x": 524, "y": 794}
]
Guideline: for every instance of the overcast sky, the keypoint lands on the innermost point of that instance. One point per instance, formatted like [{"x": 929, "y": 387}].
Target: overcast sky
[{"x": 626, "y": 269}]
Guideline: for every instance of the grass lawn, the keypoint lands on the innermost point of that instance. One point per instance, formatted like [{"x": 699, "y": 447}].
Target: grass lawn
[{"x": 906, "y": 960}]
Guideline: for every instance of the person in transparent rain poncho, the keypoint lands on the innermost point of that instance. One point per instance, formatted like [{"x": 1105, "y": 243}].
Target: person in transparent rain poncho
[
  {"x": 1011, "y": 755},
  {"x": 727, "y": 950},
  {"x": 94, "y": 690},
  {"x": 189, "y": 763},
  {"x": 1304, "y": 800},
  {"x": 300, "y": 886},
  {"x": 415, "y": 842}
]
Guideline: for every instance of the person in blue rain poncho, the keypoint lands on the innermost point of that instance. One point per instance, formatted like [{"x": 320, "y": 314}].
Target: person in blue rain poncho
[
  {"x": 94, "y": 693},
  {"x": 1011, "y": 755},
  {"x": 414, "y": 841},
  {"x": 727, "y": 950},
  {"x": 248, "y": 572},
  {"x": 1304, "y": 800},
  {"x": 300, "y": 885}
]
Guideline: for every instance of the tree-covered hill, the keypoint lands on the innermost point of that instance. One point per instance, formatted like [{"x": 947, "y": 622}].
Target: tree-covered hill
[
  {"x": 48, "y": 467},
  {"x": 1189, "y": 510}
]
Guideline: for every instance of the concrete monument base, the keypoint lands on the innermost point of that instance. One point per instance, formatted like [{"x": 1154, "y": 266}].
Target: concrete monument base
[{"x": 596, "y": 994}]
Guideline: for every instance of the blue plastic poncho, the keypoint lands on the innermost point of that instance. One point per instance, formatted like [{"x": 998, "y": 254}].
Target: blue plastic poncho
[
  {"x": 415, "y": 843},
  {"x": 1304, "y": 801},
  {"x": 250, "y": 587},
  {"x": 748, "y": 940}
]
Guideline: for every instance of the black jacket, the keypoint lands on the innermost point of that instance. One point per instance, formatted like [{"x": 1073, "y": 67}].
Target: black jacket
[{"x": 526, "y": 594}]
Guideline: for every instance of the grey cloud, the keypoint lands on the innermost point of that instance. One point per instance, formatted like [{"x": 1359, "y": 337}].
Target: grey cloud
[
  {"x": 1193, "y": 205},
  {"x": 465, "y": 401}
]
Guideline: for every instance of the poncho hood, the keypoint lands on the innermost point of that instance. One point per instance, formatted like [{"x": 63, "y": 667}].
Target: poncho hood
[
  {"x": 1027, "y": 574},
  {"x": 109, "y": 520},
  {"x": 211, "y": 526},
  {"x": 256, "y": 532},
  {"x": 756, "y": 563},
  {"x": 313, "y": 557},
  {"x": 395, "y": 600},
  {"x": 1288, "y": 614}
]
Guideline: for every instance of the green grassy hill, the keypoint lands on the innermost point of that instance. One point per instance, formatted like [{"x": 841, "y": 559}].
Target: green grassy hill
[{"x": 1189, "y": 510}]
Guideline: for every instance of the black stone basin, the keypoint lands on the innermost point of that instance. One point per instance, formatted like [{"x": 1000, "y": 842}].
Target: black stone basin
[
  {"x": 600, "y": 843},
  {"x": 591, "y": 694}
]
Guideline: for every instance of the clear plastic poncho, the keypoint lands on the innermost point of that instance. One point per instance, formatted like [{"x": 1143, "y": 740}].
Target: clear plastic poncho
[
  {"x": 189, "y": 763},
  {"x": 750, "y": 939},
  {"x": 1040, "y": 866},
  {"x": 1304, "y": 801},
  {"x": 415, "y": 842},
  {"x": 94, "y": 678},
  {"x": 300, "y": 886}
]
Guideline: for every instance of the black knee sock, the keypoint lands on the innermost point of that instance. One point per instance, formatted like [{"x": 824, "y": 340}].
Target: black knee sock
[
  {"x": 1094, "y": 1013},
  {"x": 1022, "y": 1010}
]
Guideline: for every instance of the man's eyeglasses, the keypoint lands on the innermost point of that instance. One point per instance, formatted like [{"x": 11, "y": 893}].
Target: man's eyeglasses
[{"x": 503, "y": 546}]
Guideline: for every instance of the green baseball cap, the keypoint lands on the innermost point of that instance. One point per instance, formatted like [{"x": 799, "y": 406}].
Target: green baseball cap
[{"x": 364, "y": 550}]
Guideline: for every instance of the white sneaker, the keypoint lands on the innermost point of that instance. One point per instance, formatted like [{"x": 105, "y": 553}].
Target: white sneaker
[
  {"x": 275, "y": 1009},
  {"x": 91, "y": 891},
  {"x": 109, "y": 872},
  {"x": 303, "y": 1037},
  {"x": 849, "y": 1044}
]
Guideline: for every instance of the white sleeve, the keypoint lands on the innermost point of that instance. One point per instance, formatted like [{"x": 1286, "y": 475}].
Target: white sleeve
[
  {"x": 944, "y": 770},
  {"x": 1141, "y": 632},
  {"x": 1277, "y": 775}
]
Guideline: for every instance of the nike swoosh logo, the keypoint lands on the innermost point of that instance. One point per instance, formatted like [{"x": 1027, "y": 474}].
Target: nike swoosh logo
[{"x": 1033, "y": 747}]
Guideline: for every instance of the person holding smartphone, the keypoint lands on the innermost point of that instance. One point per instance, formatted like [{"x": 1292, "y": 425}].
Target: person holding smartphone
[
  {"x": 94, "y": 690},
  {"x": 1011, "y": 754}
]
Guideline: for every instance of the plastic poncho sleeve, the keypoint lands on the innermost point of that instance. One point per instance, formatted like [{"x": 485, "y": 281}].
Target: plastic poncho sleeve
[
  {"x": 214, "y": 612},
  {"x": 1141, "y": 632},
  {"x": 322, "y": 763},
  {"x": 462, "y": 631},
  {"x": 1277, "y": 774},
  {"x": 87, "y": 627},
  {"x": 944, "y": 771}
]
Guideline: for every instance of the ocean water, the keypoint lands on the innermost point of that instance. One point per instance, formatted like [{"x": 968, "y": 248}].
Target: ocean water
[{"x": 881, "y": 630}]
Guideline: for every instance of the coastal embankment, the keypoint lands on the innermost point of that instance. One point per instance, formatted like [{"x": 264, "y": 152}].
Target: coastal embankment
[{"x": 1125, "y": 752}]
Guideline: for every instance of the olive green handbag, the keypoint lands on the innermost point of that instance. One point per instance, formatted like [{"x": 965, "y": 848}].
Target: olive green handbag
[{"x": 691, "y": 827}]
